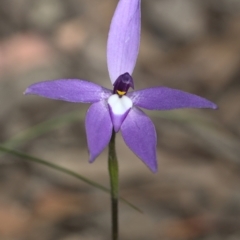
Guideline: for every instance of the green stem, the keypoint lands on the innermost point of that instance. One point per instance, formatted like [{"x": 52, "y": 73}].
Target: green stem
[{"x": 113, "y": 173}]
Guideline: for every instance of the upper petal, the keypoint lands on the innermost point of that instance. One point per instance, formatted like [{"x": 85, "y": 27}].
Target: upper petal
[
  {"x": 124, "y": 38},
  {"x": 139, "y": 134},
  {"x": 70, "y": 90},
  {"x": 163, "y": 98},
  {"x": 98, "y": 128}
]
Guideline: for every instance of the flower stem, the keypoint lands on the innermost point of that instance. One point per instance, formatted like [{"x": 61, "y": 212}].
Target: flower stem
[{"x": 113, "y": 173}]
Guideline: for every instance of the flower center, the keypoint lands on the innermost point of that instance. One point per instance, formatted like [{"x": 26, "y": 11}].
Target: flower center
[
  {"x": 119, "y": 107},
  {"x": 122, "y": 84}
]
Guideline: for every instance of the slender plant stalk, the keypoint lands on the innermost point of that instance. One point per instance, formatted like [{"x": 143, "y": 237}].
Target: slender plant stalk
[{"x": 113, "y": 173}]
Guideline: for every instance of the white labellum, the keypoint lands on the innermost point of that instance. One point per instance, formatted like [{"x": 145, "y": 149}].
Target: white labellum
[{"x": 119, "y": 105}]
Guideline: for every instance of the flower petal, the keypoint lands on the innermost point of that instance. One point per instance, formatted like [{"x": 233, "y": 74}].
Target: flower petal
[
  {"x": 98, "y": 128},
  {"x": 124, "y": 38},
  {"x": 163, "y": 98},
  {"x": 139, "y": 134},
  {"x": 70, "y": 90},
  {"x": 119, "y": 108}
]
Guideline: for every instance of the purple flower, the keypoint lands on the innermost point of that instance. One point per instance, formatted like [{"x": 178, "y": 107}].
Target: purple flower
[{"x": 119, "y": 109}]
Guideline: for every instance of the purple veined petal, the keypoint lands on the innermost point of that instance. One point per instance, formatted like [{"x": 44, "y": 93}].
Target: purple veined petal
[
  {"x": 70, "y": 90},
  {"x": 163, "y": 98},
  {"x": 124, "y": 38},
  {"x": 139, "y": 134},
  {"x": 98, "y": 128}
]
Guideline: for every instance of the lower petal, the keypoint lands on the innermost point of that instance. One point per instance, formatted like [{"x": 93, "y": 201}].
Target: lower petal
[
  {"x": 139, "y": 134},
  {"x": 98, "y": 128}
]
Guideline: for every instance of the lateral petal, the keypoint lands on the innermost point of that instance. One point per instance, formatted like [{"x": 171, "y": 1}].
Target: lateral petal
[
  {"x": 98, "y": 128},
  {"x": 163, "y": 98},
  {"x": 124, "y": 38},
  {"x": 139, "y": 134},
  {"x": 70, "y": 90}
]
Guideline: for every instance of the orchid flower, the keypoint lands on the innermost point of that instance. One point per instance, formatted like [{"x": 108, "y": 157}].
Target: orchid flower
[{"x": 118, "y": 109}]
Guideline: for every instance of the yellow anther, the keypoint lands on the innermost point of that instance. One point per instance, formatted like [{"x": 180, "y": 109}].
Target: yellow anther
[{"x": 120, "y": 93}]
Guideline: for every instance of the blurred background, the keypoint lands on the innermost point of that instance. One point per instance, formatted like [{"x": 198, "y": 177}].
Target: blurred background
[{"x": 192, "y": 45}]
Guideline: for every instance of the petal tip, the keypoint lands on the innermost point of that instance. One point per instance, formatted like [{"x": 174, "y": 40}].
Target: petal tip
[
  {"x": 116, "y": 128},
  {"x": 214, "y": 106},
  {"x": 91, "y": 159},
  {"x": 152, "y": 165},
  {"x": 27, "y": 91},
  {"x": 211, "y": 105},
  {"x": 154, "y": 169},
  {"x": 92, "y": 156}
]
